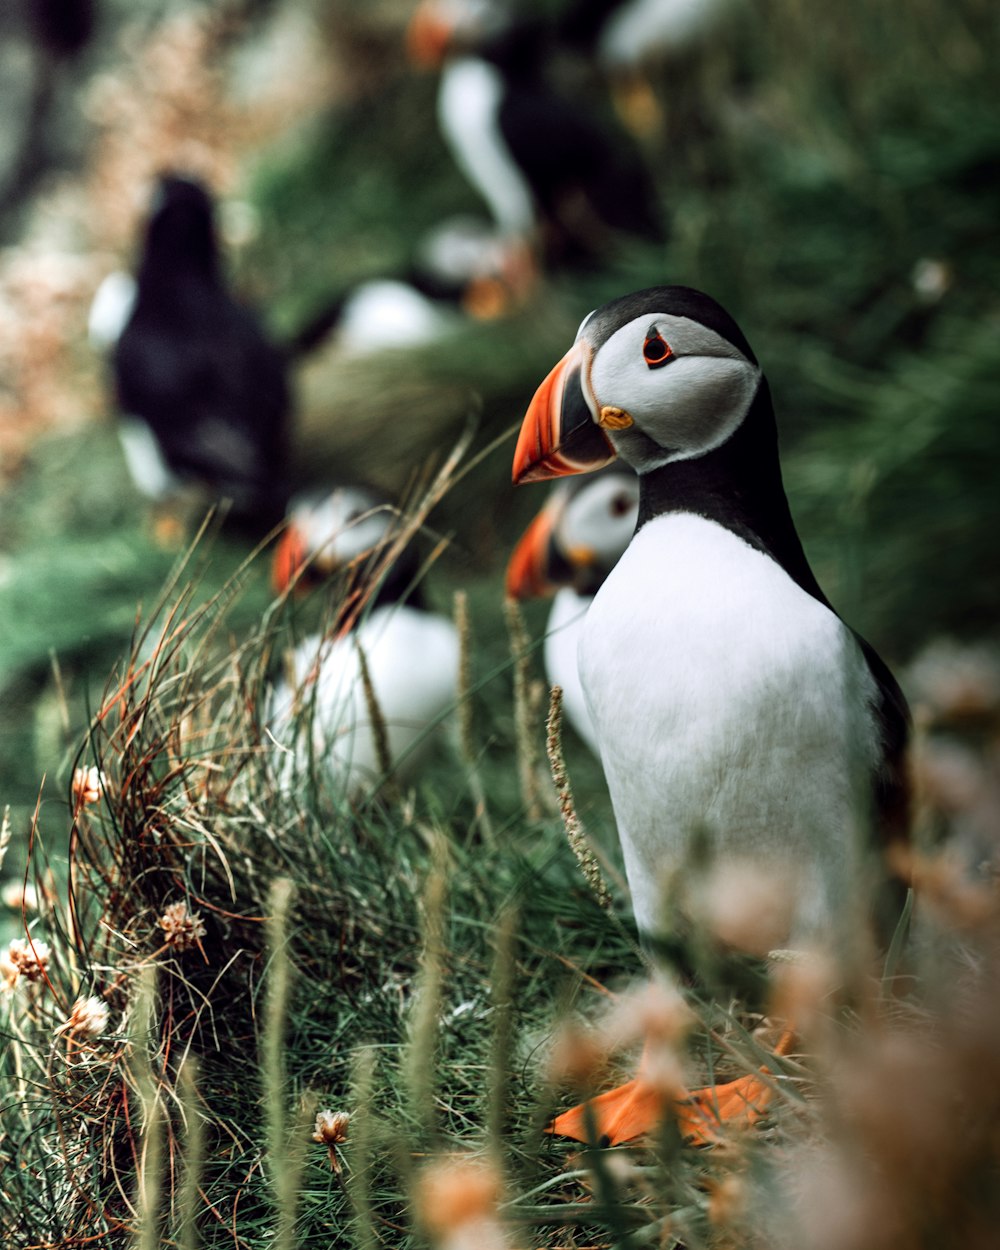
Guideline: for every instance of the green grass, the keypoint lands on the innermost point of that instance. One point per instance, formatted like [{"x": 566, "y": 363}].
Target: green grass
[
  {"x": 827, "y": 152},
  {"x": 413, "y": 975}
]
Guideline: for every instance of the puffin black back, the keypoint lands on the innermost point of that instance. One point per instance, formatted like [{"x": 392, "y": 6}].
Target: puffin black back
[{"x": 195, "y": 366}]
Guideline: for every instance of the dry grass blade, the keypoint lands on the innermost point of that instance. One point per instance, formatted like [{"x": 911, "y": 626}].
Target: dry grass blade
[
  {"x": 466, "y": 725},
  {"x": 576, "y": 835},
  {"x": 423, "y": 1046},
  {"x": 525, "y": 723}
]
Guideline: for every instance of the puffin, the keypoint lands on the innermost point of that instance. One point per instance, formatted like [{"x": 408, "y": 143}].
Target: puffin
[
  {"x": 550, "y": 172},
  {"x": 567, "y": 551},
  {"x": 628, "y": 38},
  {"x": 201, "y": 390},
  {"x": 731, "y": 703},
  {"x": 351, "y": 538},
  {"x": 626, "y": 34},
  {"x": 462, "y": 268}
]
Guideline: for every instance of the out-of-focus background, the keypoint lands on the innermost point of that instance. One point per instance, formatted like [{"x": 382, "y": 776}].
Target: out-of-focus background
[{"x": 829, "y": 173}]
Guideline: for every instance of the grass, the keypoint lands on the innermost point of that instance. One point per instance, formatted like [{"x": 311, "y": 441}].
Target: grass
[
  {"x": 413, "y": 976},
  {"x": 432, "y": 940}
]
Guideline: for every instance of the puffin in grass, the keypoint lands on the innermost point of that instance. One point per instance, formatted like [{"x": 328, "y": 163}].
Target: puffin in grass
[
  {"x": 352, "y": 539},
  {"x": 202, "y": 391},
  {"x": 568, "y": 551},
  {"x": 730, "y": 702},
  {"x": 552, "y": 174}
]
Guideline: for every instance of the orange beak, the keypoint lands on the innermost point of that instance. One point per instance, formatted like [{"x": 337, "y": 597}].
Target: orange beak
[
  {"x": 428, "y": 36},
  {"x": 289, "y": 559},
  {"x": 527, "y": 570},
  {"x": 559, "y": 435}
]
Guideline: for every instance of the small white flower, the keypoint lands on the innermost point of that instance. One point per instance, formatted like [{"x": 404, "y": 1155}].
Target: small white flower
[
  {"x": 30, "y": 956},
  {"x": 931, "y": 279},
  {"x": 331, "y": 1127},
  {"x": 88, "y": 785},
  {"x": 181, "y": 929},
  {"x": 89, "y": 1018},
  {"x": 16, "y": 895}
]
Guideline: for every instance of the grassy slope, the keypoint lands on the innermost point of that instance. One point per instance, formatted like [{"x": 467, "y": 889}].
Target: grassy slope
[{"x": 842, "y": 167}]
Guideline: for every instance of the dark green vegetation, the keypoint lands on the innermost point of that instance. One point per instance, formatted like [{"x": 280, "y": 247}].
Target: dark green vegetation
[{"x": 832, "y": 177}]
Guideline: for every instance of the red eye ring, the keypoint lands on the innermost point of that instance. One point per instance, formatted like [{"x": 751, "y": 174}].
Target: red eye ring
[{"x": 656, "y": 351}]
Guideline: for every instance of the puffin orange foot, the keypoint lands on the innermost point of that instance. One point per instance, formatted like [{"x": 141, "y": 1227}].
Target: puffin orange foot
[
  {"x": 637, "y": 1108},
  {"x": 617, "y": 1116},
  {"x": 705, "y": 1112}
]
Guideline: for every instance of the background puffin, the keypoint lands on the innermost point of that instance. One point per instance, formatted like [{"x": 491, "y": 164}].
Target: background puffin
[
  {"x": 629, "y": 38},
  {"x": 549, "y": 171},
  {"x": 728, "y": 697},
  {"x": 568, "y": 550},
  {"x": 320, "y": 710},
  {"x": 462, "y": 268},
  {"x": 201, "y": 391}
]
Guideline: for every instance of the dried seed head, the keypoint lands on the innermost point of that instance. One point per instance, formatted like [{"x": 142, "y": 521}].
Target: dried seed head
[
  {"x": 88, "y": 785},
  {"x": 949, "y": 777},
  {"x": 662, "y": 1068},
  {"x": 30, "y": 956},
  {"x": 181, "y": 929},
  {"x": 747, "y": 909},
  {"x": 578, "y": 1056},
  {"x": 802, "y": 986},
  {"x": 331, "y": 1127},
  {"x": 727, "y": 1200},
  {"x": 654, "y": 1013},
  {"x": 457, "y": 1201},
  {"x": 88, "y": 1018},
  {"x": 956, "y": 684},
  {"x": 945, "y": 888}
]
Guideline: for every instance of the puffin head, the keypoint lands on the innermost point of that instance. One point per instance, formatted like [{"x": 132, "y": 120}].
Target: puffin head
[
  {"x": 439, "y": 28},
  {"x": 578, "y": 537},
  {"x": 661, "y": 375},
  {"x": 328, "y": 531},
  {"x": 180, "y": 230}
]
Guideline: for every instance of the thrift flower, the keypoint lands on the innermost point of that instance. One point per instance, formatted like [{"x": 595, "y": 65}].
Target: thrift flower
[
  {"x": 181, "y": 929},
  {"x": 88, "y": 785}
]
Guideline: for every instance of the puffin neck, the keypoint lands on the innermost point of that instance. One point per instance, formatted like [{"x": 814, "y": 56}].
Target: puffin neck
[
  {"x": 739, "y": 486},
  {"x": 398, "y": 585}
]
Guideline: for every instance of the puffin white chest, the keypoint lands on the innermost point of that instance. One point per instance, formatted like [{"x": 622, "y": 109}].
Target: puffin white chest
[
  {"x": 412, "y": 659},
  {"x": 728, "y": 701},
  {"x": 469, "y": 103},
  {"x": 562, "y": 644}
]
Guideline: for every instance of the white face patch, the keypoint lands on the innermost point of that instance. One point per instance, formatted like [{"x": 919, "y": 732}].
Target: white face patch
[
  {"x": 681, "y": 409},
  {"x": 343, "y": 525},
  {"x": 601, "y": 518}
]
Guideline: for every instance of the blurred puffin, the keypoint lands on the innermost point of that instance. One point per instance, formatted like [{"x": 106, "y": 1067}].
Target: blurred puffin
[
  {"x": 201, "y": 391},
  {"x": 320, "y": 710},
  {"x": 568, "y": 550},
  {"x": 626, "y": 38},
  {"x": 463, "y": 268},
  {"x": 551, "y": 174},
  {"x": 726, "y": 693}
]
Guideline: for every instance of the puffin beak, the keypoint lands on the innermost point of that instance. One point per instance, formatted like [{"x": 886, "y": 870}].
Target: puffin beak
[
  {"x": 528, "y": 568},
  {"x": 559, "y": 435},
  {"x": 289, "y": 558},
  {"x": 428, "y": 36}
]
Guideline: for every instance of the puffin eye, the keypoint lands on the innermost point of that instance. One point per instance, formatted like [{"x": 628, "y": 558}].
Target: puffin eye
[
  {"x": 621, "y": 504},
  {"x": 656, "y": 351}
]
